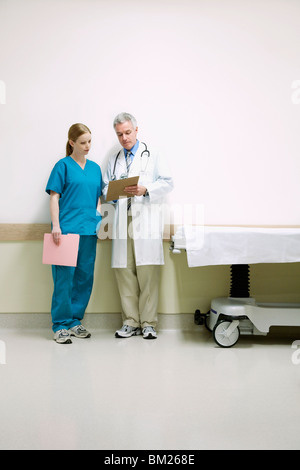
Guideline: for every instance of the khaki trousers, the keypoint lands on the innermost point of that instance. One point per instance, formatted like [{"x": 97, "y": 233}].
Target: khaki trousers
[{"x": 139, "y": 289}]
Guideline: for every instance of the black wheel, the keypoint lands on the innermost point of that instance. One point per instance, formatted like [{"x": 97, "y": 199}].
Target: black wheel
[
  {"x": 198, "y": 318},
  {"x": 220, "y": 334}
]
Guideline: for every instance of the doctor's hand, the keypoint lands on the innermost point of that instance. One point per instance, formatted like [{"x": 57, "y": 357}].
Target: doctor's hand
[
  {"x": 56, "y": 234},
  {"x": 135, "y": 190}
]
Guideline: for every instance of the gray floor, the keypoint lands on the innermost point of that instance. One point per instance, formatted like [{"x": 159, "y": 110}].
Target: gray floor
[{"x": 178, "y": 392}]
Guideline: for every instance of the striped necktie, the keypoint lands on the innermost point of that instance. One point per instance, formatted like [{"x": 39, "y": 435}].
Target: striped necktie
[
  {"x": 128, "y": 163},
  {"x": 128, "y": 160}
]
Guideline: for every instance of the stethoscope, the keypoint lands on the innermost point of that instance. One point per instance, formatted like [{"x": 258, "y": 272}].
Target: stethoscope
[{"x": 145, "y": 153}]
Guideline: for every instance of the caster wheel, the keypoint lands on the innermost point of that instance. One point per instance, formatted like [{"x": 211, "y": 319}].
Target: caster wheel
[
  {"x": 198, "y": 319},
  {"x": 223, "y": 336}
]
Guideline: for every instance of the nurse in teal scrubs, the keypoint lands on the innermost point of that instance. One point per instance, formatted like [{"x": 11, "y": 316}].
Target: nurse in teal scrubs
[{"x": 74, "y": 187}]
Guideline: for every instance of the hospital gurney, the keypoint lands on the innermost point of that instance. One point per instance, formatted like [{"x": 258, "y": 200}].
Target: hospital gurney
[{"x": 239, "y": 314}]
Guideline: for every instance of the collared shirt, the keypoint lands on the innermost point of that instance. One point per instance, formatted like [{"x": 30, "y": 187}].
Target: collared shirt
[{"x": 133, "y": 150}]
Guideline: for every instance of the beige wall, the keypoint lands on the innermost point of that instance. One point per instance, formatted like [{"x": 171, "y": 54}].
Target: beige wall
[{"x": 26, "y": 284}]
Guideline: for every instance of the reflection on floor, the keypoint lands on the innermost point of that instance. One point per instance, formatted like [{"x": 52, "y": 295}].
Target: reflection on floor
[{"x": 180, "y": 391}]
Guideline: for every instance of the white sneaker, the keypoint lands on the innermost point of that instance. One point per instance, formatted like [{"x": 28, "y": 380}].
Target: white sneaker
[
  {"x": 126, "y": 331},
  {"x": 79, "y": 331},
  {"x": 62, "y": 337},
  {"x": 149, "y": 332}
]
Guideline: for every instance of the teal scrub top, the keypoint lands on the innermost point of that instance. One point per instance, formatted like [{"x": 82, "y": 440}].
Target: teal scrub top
[{"x": 79, "y": 193}]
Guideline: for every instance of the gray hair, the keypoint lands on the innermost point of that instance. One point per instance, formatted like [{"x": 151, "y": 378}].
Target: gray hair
[{"x": 124, "y": 117}]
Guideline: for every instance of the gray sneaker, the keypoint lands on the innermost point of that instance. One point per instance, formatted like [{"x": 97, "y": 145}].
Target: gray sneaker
[
  {"x": 62, "y": 337},
  {"x": 79, "y": 331},
  {"x": 126, "y": 331},
  {"x": 149, "y": 332}
]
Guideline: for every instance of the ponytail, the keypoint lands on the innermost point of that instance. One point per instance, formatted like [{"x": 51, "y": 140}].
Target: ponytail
[{"x": 69, "y": 149}]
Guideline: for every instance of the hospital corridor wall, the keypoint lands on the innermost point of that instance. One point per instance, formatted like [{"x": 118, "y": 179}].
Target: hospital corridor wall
[{"x": 214, "y": 85}]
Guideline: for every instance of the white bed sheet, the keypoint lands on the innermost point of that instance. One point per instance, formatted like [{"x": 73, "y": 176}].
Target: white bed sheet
[{"x": 207, "y": 246}]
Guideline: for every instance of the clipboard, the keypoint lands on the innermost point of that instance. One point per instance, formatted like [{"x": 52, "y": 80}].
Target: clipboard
[
  {"x": 64, "y": 254},
  {"x": 116, "y": 187}
]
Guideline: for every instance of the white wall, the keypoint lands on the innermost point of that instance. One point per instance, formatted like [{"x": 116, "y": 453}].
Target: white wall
[{"x": 211, "y": 82}]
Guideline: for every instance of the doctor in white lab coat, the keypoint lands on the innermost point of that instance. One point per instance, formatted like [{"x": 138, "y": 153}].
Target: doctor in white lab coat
[{"x": 137, "y": 234}]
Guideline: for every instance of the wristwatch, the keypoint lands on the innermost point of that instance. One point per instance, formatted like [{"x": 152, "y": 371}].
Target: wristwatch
[{"x": 146, "y": 193}]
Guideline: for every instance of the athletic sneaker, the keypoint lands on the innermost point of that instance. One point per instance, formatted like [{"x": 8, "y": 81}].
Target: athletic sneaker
[
  {"x": 79, "y": 331},
  {"x": 126, "y": 331},
  {"x": 62, "y": 337},
  {"x": 149, "y": 332}
]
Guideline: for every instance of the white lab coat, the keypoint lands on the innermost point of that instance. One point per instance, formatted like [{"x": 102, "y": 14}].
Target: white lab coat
[{"x": 147, "y": 212}]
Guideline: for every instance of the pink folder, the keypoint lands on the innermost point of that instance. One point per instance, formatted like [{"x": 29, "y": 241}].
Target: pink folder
[{"x": 64, "y": 254}]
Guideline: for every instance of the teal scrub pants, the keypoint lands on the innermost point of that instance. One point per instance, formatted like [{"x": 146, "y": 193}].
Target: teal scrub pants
[{"x": 73, "y": 286}]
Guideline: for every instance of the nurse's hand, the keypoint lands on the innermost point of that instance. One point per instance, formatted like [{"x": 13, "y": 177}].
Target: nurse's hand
[
  {"x": 56, "y": 234},
  {"x": 135, "y": 190}
]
